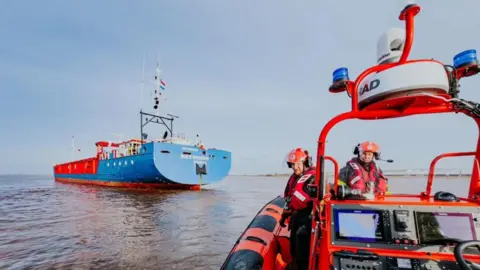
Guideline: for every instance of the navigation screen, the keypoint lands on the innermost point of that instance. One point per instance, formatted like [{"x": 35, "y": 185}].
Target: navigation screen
[
  {"x": 434, "y": 226},
  {"x": 404, "y": 263},
  {"x": 356, "y": 225}
]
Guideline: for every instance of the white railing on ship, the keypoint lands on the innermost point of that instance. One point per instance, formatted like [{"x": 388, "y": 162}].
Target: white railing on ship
[{"x": 179, "y": 135}]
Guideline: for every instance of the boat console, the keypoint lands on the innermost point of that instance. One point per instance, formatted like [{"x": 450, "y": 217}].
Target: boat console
[
  {"x": 352, "y": 230},
  {"x": 366, "y": 228},
  {"x": 399, "y": 231}
]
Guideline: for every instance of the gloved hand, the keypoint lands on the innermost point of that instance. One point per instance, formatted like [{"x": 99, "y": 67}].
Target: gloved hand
[
  {"x": 285, "y": 215},
  {"x": 282, "y": 222}
]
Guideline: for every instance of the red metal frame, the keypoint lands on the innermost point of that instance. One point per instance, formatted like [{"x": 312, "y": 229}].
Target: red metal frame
[
  {"x": 408, "y": 15},
  {"x": 431, "y": 172},
  {"x": 335, "y": 169},
  {"x": 323, "y": 247}
]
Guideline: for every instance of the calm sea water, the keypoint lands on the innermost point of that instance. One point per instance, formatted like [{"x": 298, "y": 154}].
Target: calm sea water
[{"x": 48, "y": 225}]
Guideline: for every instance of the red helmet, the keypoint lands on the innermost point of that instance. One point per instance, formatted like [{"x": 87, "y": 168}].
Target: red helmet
[
  {"x": 298, "y": 155},
  {"x": 367, "y": 146}
]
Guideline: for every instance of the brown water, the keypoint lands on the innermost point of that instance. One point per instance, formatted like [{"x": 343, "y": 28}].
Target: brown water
[{"x": 48, "y": 225}]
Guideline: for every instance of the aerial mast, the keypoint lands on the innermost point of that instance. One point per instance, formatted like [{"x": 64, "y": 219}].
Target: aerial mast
[
  {"x": 155, "y": 117},
  {"x": 143, "y": 78}
]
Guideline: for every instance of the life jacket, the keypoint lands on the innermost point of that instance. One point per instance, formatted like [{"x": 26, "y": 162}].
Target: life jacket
[
  {"x": 290, "y": 184},
  {"x": 300, "y": 199},
  {"x": 293, "y": 180},
  {"x": 361, "y": 177}
]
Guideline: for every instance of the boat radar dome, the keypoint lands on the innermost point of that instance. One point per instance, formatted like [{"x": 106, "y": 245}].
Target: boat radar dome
[{"x": 390, "y": 46}]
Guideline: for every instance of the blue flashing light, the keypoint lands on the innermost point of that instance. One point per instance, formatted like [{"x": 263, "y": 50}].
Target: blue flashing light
[
  {"x": 340, "y": 74},
  {"x": 465, "y": 58}
]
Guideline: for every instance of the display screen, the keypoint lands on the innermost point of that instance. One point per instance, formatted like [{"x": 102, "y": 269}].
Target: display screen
[
  {"x": 404, "y": 263},
  {"x": 435, "y": 226},
  {"x": 359, "y": 225}
]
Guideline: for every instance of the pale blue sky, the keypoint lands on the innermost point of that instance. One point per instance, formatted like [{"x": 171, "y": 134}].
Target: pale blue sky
[{"x": 249, "y": 76}]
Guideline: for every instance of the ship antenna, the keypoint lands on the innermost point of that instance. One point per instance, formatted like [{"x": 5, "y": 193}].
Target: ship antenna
[
  {"x": 158, "y": 80},
  {"x": 159, "y": 88},
  {"x": 143, "y": 77},
  {"x": 73, "y": 148}
]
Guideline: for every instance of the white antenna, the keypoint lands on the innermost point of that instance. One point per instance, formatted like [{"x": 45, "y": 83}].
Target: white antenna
[
  {"x": 158, "y": 84},
  {"x": 143, "y": 76},
  {"x": 159, "y": 88},
  {"x": 73, "y": 148}
]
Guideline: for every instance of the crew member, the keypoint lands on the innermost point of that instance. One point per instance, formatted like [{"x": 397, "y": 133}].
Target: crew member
[
  {"x": 298, "y": 205},
  {"x": 361, "y": 173}
]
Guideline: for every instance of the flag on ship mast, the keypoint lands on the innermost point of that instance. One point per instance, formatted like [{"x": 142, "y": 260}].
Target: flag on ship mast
[{"x": 162, "y": 84}]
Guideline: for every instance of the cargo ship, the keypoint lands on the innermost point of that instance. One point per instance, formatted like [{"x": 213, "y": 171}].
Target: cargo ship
[{"x": 170, "y": 162}]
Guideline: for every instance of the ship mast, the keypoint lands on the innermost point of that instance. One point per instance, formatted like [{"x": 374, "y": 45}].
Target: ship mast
[
  {"x": 159, "y": 87},
  {"x": 143, "y": 78},
  {"x": 155, "y": 117},
  {"x": 73, "y": 148}
]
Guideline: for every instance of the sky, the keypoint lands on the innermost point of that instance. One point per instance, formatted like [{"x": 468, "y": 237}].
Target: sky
[{"x": 249, "y": 76}]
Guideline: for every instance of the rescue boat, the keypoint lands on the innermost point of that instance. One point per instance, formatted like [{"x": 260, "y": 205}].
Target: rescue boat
[
  {"x": 264, "y": 244},
  {"x": 383, "y": 231}
]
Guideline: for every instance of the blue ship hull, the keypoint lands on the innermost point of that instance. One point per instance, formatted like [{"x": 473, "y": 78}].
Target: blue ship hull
[{"x": 159, "y": 164}]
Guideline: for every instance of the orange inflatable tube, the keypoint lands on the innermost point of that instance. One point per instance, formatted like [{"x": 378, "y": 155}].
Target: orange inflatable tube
[{"x": 264, "y": 244}]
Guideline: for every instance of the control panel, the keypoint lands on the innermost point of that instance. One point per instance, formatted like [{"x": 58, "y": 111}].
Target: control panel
[
  {"x": 424, "y": 228},
  {"x": 403, "y": 227},
  {"x": 344, "y": 260}
]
